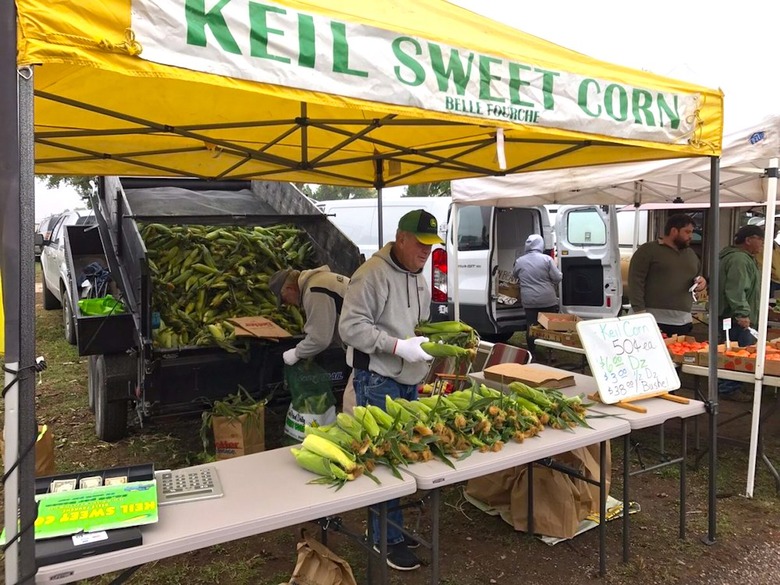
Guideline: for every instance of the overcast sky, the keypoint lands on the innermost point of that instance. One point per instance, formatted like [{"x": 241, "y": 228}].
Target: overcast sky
[{"x": 730, "y": 46}]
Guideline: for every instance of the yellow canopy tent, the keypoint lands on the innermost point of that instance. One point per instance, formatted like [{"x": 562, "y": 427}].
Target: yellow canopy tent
[
  {"x": 298, "y": 91},
  {"x": 355, "y": 93}
]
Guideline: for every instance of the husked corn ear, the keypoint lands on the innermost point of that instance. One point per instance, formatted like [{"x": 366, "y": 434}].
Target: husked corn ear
[
  {"x": 365, "y": 418},
  {"x": 326, "y": 448},
  {"x": 318, "y": 464}
]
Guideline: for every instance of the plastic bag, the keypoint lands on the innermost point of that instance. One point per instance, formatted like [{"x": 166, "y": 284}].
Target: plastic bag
[
  {"x": 311, "y": 398},
  {"x": 102, "y": 306}
]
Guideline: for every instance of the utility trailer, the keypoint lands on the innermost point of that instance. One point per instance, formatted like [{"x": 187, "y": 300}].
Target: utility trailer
[{"x": 125, "y": 367}]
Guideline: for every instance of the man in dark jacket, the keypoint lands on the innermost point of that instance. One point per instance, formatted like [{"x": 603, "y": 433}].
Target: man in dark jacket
[{"x": 738, "y": 294}]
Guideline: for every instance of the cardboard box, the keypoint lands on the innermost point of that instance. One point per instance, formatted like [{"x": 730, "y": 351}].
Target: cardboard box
[
  {"x": 509, "y": 289},
  {"x": 690, "y": 357},
  {"x": 535, "y": 377},
  {"x": 259, "y": 327},
  {"x": 558, "y": 321}
]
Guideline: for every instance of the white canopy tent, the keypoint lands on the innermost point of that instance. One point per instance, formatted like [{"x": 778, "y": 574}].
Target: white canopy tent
[{"x": 748, "y": 176}]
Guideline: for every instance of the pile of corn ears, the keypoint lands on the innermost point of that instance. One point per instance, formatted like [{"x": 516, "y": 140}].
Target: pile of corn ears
[{"x": 442, "y": 427}]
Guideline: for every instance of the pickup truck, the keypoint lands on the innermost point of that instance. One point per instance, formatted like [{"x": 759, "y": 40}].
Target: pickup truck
[{"x": 136, "y": 358}]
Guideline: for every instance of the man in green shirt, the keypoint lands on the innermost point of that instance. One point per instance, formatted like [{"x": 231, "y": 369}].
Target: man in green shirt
[
  {"x": 661, "y": 274},
  {"x": 738, "y": 295}
]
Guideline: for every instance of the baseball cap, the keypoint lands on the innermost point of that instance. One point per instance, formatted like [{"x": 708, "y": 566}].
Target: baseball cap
[
  {"x": 276, "y": 283},
  {"x": 747, "y": 231},
  {"x": 423, "y": 225}
]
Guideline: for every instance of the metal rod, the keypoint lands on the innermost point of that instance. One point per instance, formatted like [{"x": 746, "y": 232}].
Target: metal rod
[
  {"x": 713, "y": 234},
  {"x": 435, "y": 503},
  {"x": 603, "y": 508},
  {"x": 626, "y": 479},
  {"x": 379, "y": 182},
  {"x": 683, "y": 475}
]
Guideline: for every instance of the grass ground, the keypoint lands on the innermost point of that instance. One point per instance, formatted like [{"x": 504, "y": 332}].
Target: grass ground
[{"x": 476, "y": 548}]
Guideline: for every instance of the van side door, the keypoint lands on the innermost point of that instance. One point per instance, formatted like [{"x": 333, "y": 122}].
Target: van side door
[{"x": 589, "y": 256}]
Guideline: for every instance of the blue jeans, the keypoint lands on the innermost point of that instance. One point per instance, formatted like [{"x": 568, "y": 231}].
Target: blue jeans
[
  {"x": 371, "y": 388},
  {"x": 741, "y": 337}
]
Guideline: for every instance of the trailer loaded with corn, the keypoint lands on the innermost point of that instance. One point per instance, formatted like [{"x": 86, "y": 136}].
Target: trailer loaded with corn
[{"x": 185, "y": 258}]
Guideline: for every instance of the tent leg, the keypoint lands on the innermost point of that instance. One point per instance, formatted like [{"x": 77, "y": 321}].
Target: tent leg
[
  {"x": 713, "y": 234},
  {"x": 769, "y": 228},
  {"x": 379, "y": 183}
]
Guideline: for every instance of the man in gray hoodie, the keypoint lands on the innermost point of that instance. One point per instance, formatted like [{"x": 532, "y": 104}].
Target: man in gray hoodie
[
  {"x": 539, "y": 278},
  {"x": 386, "y": 298},
  {"x": 321, "y": 294}
]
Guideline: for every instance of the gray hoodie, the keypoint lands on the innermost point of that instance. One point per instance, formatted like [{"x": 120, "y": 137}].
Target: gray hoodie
[
  {"x": 384, "y": 302},
  {"x": 538, "y": 275},
  {"x": 322, "y": 297}
]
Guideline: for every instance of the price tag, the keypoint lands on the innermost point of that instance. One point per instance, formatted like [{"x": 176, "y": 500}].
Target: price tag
[
  {"x": 628, "y": 357},
  {"x": 726, "y": 324}
]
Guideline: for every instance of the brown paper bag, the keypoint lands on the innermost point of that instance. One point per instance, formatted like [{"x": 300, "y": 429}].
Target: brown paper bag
[
  {"x": 243, "y": 435},
  {"x": 349, "y": 400},
  {"x": 44, "y": 451},
  {"x": 561, "y": 502},
  {"x": 318, "y": 565}
]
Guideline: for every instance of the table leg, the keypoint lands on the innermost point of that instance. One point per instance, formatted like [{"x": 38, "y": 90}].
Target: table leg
[
  {"x": 626, "y": 476},
  {"x": 370, "y": 549},
  {"x": 435, "y": 499},
  {"x": 384, "y": 571},
  {"x": 683, "y": 475},
  {"x": 602, "y": 508},
  {"x": 530, "y": 477}
]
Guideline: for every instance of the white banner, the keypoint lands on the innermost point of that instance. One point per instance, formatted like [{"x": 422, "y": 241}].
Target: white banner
[{"x": 271, "y": 43}]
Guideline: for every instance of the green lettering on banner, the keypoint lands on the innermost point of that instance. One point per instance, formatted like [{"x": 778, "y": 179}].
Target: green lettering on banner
[
  {"x": 622, "y": 102},
  {"x": 306, "y": 48},
  {"x": 515, "y": 83},
  {"x": 548, "y": 83},
  {"x": 341, "y": 51},
  {"x": 674, "y": 114},
  {"x": 259, "y": 31},
  {"x": 641, "y": 101},
  {"x": 485, "y": 78},
  {"x": 582, "y": 97},
  {"x": 198, "y": 19},
  {"x": 409, "y": 61},
  {"x": 453, "y": 70}
]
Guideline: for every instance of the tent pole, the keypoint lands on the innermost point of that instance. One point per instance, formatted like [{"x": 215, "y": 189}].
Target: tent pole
[
  {"x": 18, "y": 269},
  {"x": 763, "y": 314},
  {"x": 453, "y": 237},
  {"x": 713, "y": 220},
  {"x": 379, "y": 183}
]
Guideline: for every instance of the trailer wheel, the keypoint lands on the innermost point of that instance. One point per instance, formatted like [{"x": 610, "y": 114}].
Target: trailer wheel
[
  {"x": 91, "y": 380},
  {"x": 110, "y": 415},
  {"x": 67, "y": 319}
]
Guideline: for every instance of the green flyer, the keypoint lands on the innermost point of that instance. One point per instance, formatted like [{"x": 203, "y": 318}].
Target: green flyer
[{"x": 94, "y": 509}]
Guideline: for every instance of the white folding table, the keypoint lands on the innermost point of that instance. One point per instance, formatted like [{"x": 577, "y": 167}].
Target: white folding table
[
  {"x": 658, "y": 412},
  {"x": 434, "y": 475},
  {"x": 262, "y": 492}
]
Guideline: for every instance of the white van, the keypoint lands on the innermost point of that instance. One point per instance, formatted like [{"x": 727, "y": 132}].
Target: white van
[{"x": 489, "y": 240}]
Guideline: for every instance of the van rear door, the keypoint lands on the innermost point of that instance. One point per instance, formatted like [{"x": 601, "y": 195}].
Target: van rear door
[{"x": 589, "y": 253}]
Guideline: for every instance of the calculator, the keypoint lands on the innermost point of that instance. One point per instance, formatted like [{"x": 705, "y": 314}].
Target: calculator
[{"x": 187, "y": 485}]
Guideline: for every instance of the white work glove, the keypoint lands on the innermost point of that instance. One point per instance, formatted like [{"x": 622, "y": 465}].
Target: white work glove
[
  {"x": 410, "y": 350},
  {"x": 290, "y": 358}
]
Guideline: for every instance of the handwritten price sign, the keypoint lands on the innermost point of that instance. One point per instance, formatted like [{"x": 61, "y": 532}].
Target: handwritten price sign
[{"x": 628, "y": 358}]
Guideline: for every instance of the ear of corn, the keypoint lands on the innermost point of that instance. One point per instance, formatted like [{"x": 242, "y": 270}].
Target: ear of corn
[
  {"x": 366, "y": 419},
  {"x": 333, "y": 434},
  {"x": 326, "y": 448},
  {"x": 383, "y": 419},
  {"x": 350, "y": 425},
  {"x": 439, "y": 350}
]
